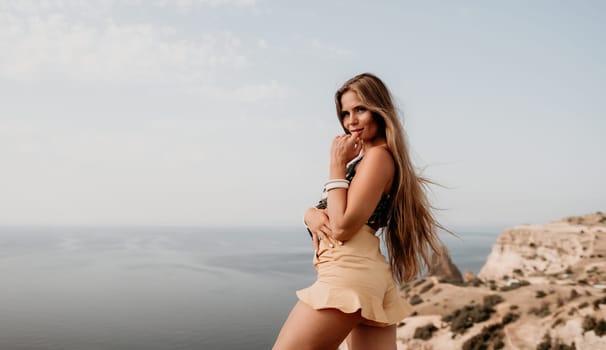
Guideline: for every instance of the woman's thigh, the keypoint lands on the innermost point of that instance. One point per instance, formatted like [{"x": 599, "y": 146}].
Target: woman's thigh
[
  {"x": 307, "y": 328},
  {"x": 367, "y": 337}
]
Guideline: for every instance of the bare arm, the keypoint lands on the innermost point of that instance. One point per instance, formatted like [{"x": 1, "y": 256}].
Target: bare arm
[
  {"x": 349, "y": 209},
  {"x": 318, "y": 224}
]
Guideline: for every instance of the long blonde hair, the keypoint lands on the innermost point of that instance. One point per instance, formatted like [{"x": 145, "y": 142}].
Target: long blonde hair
[{"x": 410, "y": 235}]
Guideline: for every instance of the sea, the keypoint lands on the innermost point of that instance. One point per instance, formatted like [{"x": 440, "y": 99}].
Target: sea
[{"x": 88, "y": 288}]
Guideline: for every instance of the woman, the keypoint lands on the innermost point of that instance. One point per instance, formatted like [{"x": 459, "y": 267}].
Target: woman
[{"x": 354, "y": 295}]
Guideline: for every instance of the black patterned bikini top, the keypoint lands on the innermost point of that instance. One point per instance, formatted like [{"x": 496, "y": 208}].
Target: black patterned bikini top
[{"x": 378, "y": 218}]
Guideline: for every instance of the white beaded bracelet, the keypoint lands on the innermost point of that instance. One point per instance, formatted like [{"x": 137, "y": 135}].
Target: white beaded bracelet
[
  {"x": 339, "y": 184},
  {"x": 336, "y": 180}
]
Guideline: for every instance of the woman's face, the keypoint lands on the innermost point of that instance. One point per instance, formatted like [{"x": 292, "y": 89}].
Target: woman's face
[{"x": 357, "y": 118}]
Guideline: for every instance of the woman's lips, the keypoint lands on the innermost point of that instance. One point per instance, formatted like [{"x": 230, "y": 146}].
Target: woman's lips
[{"x": 357, "y": 130}]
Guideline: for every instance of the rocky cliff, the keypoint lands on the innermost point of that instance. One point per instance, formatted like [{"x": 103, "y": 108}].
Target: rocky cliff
[
  {"x": 541, "y": 250},
  {"x": 542, "y": 287}
]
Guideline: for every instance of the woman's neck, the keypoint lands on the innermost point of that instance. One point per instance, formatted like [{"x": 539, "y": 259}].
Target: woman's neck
[{"x": 374, "y": 143}]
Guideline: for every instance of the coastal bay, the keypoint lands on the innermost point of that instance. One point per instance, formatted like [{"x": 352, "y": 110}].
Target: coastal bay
[{"x": 161, "y": 287}]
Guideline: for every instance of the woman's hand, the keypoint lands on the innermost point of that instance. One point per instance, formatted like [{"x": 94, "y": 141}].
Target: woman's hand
[
  {"x": 344, "y": 149},
  {"x": 319, "y": 224}
]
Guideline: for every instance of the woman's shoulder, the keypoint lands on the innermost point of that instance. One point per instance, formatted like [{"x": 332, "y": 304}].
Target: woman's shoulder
[
  {"x": 378, "y": 155},
  {"x": 377, "y": 168},
  {"x": 377, "y": 160}
]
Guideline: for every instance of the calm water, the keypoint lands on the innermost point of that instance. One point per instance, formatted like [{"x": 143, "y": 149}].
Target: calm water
[{"x": 161, "y": 288}]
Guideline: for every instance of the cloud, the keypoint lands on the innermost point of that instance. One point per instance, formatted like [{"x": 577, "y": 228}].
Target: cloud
[
  {"x": 257, "y": 92},
  {"x": 262, "y": 44},
  {"x": 247, "y": 93},
  {"x": 39, "y": 7},
  {"x": 186, "y": 4},
  {"x": 37, "y": 42},
  {"x": 328, "y": 49},
  {"x": 104, "y": 6}
]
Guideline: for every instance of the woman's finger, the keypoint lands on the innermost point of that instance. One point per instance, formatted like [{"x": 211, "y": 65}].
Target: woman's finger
[
  {"x": 316, "y": 243},
  {"x": 326, "y": 229},
  {"x": 326, "y": 238},
  {"x": 346, "y": 147},
  {"x": 328, "y": 233}
]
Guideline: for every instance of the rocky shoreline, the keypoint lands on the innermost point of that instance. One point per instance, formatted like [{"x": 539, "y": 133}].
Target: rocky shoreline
[{"x": 542, "y": 287}]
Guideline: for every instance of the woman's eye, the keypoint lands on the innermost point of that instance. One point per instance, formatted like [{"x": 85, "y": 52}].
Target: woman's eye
[{"x": 360, "y": 109}]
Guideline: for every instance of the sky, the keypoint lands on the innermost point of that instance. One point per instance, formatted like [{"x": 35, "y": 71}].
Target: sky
[{"x": 221, "y": 112}]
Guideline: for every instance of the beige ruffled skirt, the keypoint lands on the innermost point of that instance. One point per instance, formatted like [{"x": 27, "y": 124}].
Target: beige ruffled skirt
[{"x": 356, "y": 276}]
